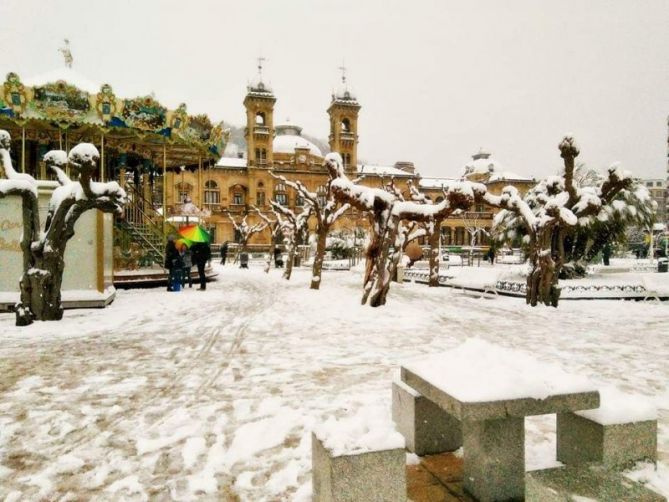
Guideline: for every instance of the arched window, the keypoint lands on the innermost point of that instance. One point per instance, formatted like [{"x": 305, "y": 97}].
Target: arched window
[
  {"x": 346, "y": 158},
  {"x": 439, "y": 199},
  {"x": 280, "y": 195},
  {"x": 346, "y": 125},
  {"x": 212, "y": 194},
  {"x": 260, "y": 194},
  {"x": 260, "y": 118},
  {"x": 322, "y": 194}
]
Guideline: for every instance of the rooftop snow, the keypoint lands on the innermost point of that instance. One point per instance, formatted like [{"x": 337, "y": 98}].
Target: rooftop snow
[
  {"x": 234, "y": 162},
  {"x": 382, "y": 171}
]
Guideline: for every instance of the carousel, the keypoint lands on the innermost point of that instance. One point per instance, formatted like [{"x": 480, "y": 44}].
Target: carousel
[{"x": 143, "y": 145}]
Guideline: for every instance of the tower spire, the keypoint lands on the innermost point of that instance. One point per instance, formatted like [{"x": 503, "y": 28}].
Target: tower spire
[
  {"x": 343, "y": 73},
  {"x": 67, "y": 53},
  {"x": 261, "y": 60}
]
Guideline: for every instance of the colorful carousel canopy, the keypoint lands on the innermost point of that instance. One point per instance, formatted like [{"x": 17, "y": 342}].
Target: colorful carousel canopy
[{"x": 63, "y": 103}]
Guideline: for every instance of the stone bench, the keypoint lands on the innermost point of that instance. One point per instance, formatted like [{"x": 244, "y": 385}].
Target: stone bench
[
  {"x": 592, "y": 483},
  {"x": 358, "y": 461},
  {"x": 623, "y": 430},
  {"x": 491, "y": 390},
  {"x": 426, "y": 428}
]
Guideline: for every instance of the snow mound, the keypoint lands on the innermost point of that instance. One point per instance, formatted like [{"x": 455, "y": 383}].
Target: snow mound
[
  {"x": 477, "y": 371},
  {"x": 371, "y": 429}
]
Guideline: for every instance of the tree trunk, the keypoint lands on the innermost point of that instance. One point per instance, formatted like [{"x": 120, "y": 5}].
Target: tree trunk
[
  {"x": 434, "y": 255},
  {"x": 40, "y": 288},
  {"x": 318, "y": 259},
  {"x": 291, "y": 258},
  {"x": 384, "y": 267}
]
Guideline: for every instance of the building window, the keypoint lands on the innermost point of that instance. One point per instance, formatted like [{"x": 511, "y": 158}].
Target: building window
[
  {"x": 346, "y": 125},
  {"x": 261, "y": 156},
  {"x": 299, "y": 200},
  {"x": 183, "y": 190},
  {"x": 238, "y": 198},
  {"x": 346, "y": 159},
  {"x": 260, "y": 118},
  {"x": 260, "y": 199},
  {"x": 280, "y": 196},
  {"x": 322, "y": 193},
  {"x": 479, "y": 208},
  {"x": 446, "y": 236},
  {"x": 212, "y": 195}
]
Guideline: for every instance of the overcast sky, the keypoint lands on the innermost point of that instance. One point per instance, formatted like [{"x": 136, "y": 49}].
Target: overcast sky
[{"x": 436, "y": 79}]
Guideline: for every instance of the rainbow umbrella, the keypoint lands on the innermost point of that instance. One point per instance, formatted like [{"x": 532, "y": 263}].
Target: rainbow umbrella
[
  {"x": 195, "y": 233},
  {"x": 179, "y": 243}
]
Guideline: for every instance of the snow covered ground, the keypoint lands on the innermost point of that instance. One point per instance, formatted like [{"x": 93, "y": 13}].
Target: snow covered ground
[{"x": 212, "y": 395}]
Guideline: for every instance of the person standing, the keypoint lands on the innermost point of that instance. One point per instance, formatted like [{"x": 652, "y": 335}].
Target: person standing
[
  {"x": 224, "y": 252},
  {"x": 201, "y": 253},
  {"x": 172, "y": 263},
  {"x": 188, "y": 265}
]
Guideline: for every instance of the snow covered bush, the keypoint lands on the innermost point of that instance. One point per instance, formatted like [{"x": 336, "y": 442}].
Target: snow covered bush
[{"x": 44, "y": 249}]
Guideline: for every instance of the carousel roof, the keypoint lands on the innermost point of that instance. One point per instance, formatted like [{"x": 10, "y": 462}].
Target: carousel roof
[{"x": 63, "y": 100}]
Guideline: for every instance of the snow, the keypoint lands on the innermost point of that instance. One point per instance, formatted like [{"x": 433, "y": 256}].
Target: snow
[
  {"x": 370, "y": 429},
  {"x": 56, "y": 157},
  {"x": 478, "y": 371},
  {"x": 287, "y": 143},
  {"x": 233, "y": 162},
  {"x": 256, "y": 355},
  {"x": 84, "y": 153},
  {"x": 375, "y": 170},
  {"x": 617, "y": 407}
]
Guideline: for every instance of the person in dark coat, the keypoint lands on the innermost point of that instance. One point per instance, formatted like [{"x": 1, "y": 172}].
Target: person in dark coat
[
  {"x": 201, "y": 254},
  {"x": 278, "y": 258},
  {"x": 173, "y": 263},
  {"x": 224, "y": 252}
]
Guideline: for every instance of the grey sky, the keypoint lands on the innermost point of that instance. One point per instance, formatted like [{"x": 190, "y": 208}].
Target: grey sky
[{"x": 436, "y": 79}]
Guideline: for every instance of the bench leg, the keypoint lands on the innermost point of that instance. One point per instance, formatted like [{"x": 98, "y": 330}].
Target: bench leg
[{"x": 494, "y": 459}]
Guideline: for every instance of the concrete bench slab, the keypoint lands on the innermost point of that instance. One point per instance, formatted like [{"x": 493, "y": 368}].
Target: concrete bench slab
[
  {"x": 623, "y": 430},
  {"x": 585, "y": 482},
  {"x": 374, "y": 476},
  {"x": 426, "y": 428},
  {"x": 490, "y": 390}
]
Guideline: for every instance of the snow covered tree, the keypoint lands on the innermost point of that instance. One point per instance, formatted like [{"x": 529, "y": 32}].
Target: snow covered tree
[
  {"x": 275, "y": 231},
  {"x": 386, "y": 213},
  {"x": 471, "y": 224},
  {"x": 244, "y": 230},
  {"x": 44, "y": 249},
  {"x": 327, "y": 210},
  {"x": 291, "y": 224},
  {"x": 562, "y": 222}
]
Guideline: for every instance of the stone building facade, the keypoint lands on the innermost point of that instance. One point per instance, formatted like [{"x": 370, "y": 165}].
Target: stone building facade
[{"x": 236, "y": 185}]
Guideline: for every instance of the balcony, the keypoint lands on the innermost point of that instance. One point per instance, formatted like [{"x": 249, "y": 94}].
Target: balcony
[
  {"x": 347, "y": 137},
  {"x": 261, "y": 131}
]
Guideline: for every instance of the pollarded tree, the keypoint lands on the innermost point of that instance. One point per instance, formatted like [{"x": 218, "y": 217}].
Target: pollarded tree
[
  {"x": 245, "y": 231},
  {"x": 291, "y": 224},
  {"x": 274, "y": 232},
  {"x": 386, "y": 213},
  {"x": 561, "y": 220},
  {"x": 44, "y": 249},
  {"x": 327, "y": 211}
]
